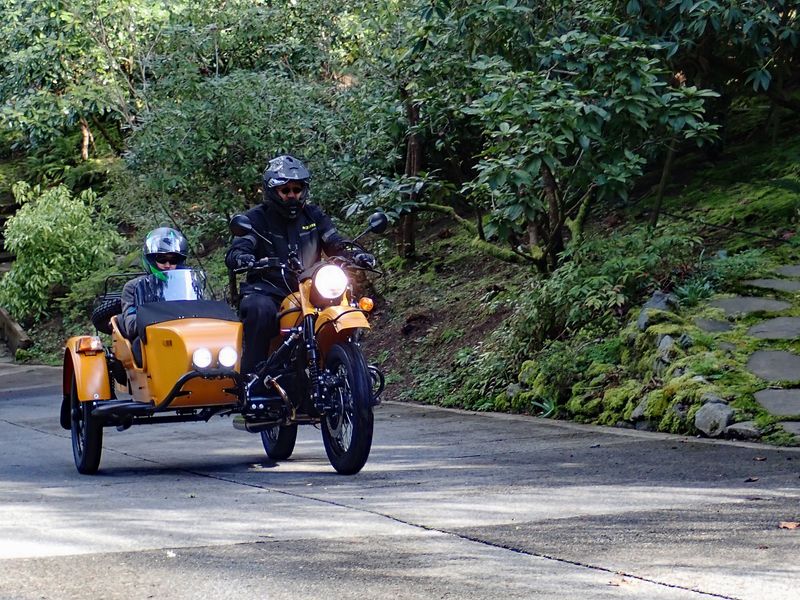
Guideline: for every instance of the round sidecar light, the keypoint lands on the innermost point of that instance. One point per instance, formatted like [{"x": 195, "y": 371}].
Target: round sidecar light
[
  {"x": 330, "y": 281},
  {"x": 228, "y": 356},
  {"x": 201, "y": 358}
]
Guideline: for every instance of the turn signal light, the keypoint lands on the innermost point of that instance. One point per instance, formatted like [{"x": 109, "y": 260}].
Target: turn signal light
[
  {"x": 89, "y": 345},
  {"x": 366, "y": 304}
]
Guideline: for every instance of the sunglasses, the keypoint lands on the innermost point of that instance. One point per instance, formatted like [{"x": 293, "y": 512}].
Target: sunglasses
[
  {"x": 169, "y": 259},
  {"x": 290, "y": 189}
]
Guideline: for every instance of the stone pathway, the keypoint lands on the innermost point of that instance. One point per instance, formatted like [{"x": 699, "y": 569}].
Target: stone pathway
[{"x": 780, "y": 369}]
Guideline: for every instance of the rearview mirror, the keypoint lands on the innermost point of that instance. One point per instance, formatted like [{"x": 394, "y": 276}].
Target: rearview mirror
[
  {"x": 240, "y": 225},
  {"x": 378, "y": 222}
]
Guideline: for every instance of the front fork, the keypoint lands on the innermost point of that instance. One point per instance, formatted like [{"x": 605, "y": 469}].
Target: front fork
[{"x": 318, "y": 396}]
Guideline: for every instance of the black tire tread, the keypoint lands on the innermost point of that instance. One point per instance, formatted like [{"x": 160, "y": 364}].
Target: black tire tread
[
  {"x": 353, "y": 460},
  {"x": 284, "y": 447},
  {"x": 107, "y": 306}
]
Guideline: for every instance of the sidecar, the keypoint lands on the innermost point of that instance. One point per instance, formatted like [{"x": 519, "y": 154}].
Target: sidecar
[{"x": 181, "y": 364}]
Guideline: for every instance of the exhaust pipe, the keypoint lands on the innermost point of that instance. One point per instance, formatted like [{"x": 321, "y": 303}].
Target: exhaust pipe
[{"x": 252, "y": 427}]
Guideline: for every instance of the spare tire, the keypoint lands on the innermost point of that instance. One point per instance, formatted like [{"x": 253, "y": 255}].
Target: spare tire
[{"x": 108, "y": 305}]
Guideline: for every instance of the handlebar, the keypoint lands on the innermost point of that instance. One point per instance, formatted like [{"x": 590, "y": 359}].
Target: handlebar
[{"x": 275, "y": 263}]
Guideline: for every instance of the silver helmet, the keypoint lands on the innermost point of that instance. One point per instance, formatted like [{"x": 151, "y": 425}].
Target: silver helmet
[{"x": 163, "y": 240}]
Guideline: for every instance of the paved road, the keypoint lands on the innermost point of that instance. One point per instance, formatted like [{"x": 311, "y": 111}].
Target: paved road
[{"x": 451, "y": 505}]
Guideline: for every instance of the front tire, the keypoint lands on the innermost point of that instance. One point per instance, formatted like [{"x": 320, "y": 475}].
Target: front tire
[
  {"x": 347, "y": 430},
  {"x": 87, "y": 434},
  {"x": 279, "y": 441}
]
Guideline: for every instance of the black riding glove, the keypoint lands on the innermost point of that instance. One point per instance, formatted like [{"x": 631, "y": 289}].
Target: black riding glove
[
  {"x": 366, "y": 260},
  {"x": 245, "y": 260}
]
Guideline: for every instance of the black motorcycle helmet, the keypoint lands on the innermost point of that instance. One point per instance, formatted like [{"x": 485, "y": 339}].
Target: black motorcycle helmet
[{"x": 280, "y": 171}]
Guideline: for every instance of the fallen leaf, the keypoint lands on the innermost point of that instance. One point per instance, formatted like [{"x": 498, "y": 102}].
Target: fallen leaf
[
  {"x": 751, "y": 479},
  {"x": 789, "y": 525},
  {"x": 759, "y": 458}
]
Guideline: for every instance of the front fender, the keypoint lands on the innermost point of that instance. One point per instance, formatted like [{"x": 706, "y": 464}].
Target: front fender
[
  {"x": 335, "y": 324},
  {"x": 91, "y": 377},
  {"x": 341, "y": 317}
]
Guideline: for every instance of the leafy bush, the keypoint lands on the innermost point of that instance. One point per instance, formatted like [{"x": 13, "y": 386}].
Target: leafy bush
[
  {"x": 597, "y": 287},
  {"x": 718, "y": 273},
  {"x": 58, "y": 239}
]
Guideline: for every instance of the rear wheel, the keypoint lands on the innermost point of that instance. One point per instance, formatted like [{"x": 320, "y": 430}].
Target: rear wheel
[
  {"x": 347, "y": 429},
  {"x": 87, "y": 434},
  {"x": 279, "y": 441}
]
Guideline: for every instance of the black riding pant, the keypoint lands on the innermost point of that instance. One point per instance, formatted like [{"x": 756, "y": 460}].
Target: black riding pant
[{"x": 259, "y": 313}]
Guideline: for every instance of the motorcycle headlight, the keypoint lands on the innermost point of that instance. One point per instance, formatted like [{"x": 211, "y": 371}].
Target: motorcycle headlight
[
  {"x": 228, "y": 356},
  {"x": 330, "y": 282},
  {"x": 201, "y": 358}
]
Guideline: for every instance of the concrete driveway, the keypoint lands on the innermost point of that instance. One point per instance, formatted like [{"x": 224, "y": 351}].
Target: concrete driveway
[{"x": 450, "y": 505}]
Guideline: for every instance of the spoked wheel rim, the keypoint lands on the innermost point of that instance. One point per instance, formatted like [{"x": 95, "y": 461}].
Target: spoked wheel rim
[
  {"x": 272, "y": 434},
  {"x": 279, "y": 440},
  {"x": 340, "y": 422},
  {"x": 348, "y": 423}
]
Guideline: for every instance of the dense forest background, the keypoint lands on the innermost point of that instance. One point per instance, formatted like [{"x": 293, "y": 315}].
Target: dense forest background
[{"x": 539, "y": 140}]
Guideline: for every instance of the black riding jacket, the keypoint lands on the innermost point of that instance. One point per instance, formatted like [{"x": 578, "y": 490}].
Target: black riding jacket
[{"x": 307, "y": 237}]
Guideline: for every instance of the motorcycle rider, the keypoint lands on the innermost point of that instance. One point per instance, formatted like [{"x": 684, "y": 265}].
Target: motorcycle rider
[
  {"x": 296, "y": 231},
  {"x": 164, "y": 249}
]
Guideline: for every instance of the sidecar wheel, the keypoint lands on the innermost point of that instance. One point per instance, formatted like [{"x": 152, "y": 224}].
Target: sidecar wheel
[
  {"x": 347, "y": 431},
  {"x": 279, "y": 441},
  {"x": 87, "y": 434}
]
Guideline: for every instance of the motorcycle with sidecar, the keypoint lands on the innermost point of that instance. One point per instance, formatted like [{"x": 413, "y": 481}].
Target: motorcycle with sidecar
[{"x": 182, "y": 364}]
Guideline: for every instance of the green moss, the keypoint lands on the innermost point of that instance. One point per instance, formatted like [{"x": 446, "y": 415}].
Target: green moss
[
  {"x": 780, "y": 437},
  {"x": 657, "y": 404},
  {"x": 618, "y": 399},
  {"x": 588, "y": 409}
]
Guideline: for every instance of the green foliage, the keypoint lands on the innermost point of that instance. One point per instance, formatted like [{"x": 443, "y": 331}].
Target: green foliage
[
  {"x": 694, "y": 290},
  {"x": 719, "y": 273},
  {"x": 58, "y": 240},
  {"x": 732, "y": 44},
  {"x": 595, "y": 289}
]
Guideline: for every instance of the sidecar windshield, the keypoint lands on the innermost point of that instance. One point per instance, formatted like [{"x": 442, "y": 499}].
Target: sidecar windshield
[{"x": 180, "y": 284}]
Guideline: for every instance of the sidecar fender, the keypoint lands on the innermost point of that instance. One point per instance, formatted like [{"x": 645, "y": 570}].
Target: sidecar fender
[{"x": 91, "y": 377}]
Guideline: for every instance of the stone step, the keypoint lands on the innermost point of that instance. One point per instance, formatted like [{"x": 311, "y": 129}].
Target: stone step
[
  {"x": 739, "y": 306},
  {"x": 781, "y": 403},
  {"x": 774, "y": 365},
  {"x": 712, "y": 325},
  {"x": 791, "y": 427},
  {"x": 781, "y": 285},
  {"x": 779, "y": 328},
  {"x": 789, "y": 270}
]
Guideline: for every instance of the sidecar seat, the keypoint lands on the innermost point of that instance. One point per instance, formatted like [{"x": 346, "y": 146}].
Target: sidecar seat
[{"x": 129, "y": 352}]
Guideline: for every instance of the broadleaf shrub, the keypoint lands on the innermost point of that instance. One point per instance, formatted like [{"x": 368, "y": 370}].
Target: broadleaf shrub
[
  {"x": 596, "y": 288},
  {"x": 58, "y": 239}
]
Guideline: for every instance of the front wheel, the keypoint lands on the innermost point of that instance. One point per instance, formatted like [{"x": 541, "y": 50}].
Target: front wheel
[
  {"x": 279, "y": 441},
  {"x": 347, "y": 428},
  {"x": 87, "y": 434}
]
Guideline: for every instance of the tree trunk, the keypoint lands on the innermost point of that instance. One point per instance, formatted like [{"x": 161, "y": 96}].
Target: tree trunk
[
  {"x": 406, "y": 240},
  {"x": 555, "y": 242},
  {"x": 479, "y": 224},
  {"x": 665, "y": 173},
  {"x": 104, "y": 132},
  {"x": 88, "y": 139}
]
